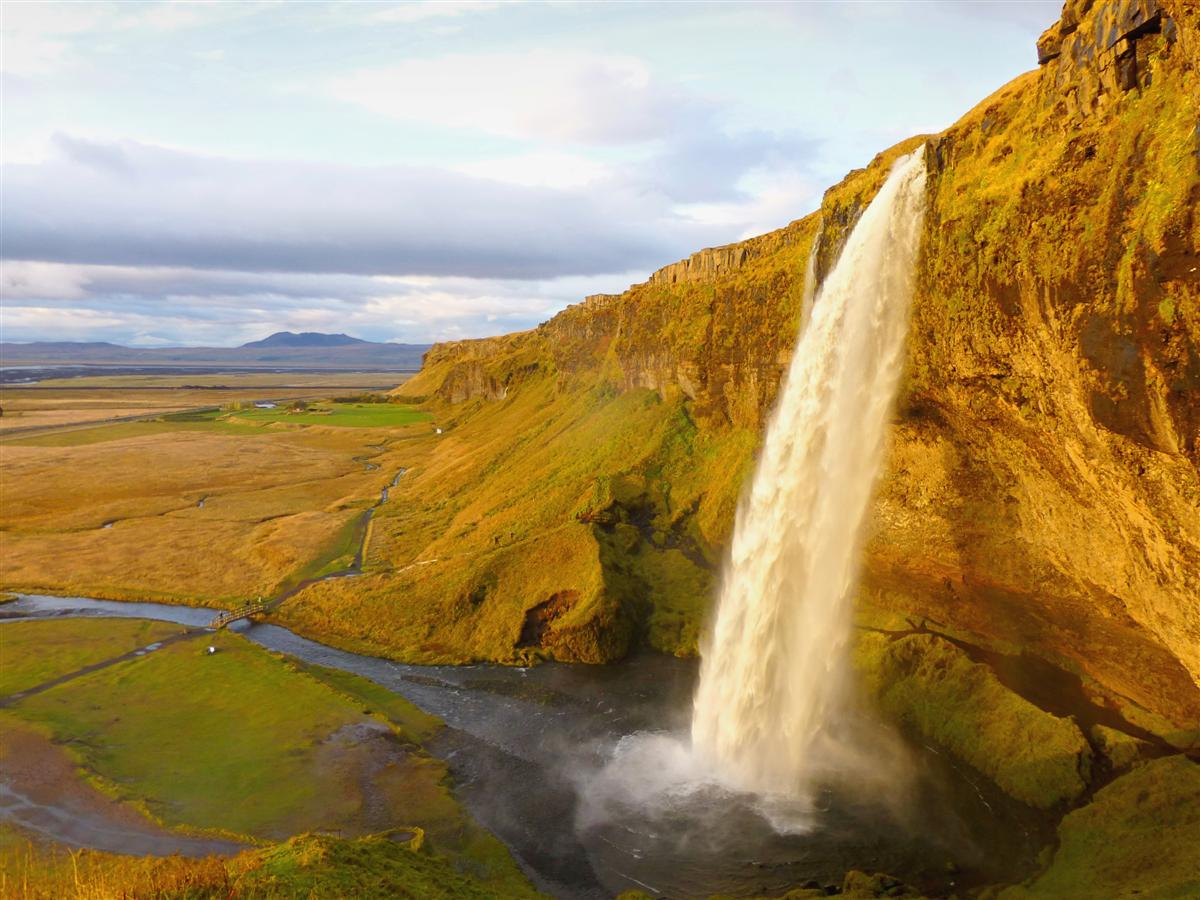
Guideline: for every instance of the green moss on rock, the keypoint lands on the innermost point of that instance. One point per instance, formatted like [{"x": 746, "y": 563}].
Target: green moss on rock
[
  {"x": 1139, "y": 837},
  {"x": 933, "y": 688},
  {"x": 1121, "y": 750}
]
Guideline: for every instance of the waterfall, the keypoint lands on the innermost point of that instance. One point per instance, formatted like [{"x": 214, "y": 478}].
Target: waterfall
[
  {"x": 809, "y": 294},
  {"x": 773, "y": 676}
]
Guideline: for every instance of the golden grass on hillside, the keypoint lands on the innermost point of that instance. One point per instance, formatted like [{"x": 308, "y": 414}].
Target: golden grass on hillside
[{"x": 509, "y": 510}]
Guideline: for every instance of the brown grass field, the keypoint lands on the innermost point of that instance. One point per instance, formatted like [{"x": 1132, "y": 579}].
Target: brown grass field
[{"x": 115, "y": 510}]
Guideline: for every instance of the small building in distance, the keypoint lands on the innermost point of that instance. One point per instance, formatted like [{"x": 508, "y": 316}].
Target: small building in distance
[{"x": 263, "y": 404}]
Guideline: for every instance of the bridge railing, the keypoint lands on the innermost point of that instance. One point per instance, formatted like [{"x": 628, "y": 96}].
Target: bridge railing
[{"x": 243, "y": 612}]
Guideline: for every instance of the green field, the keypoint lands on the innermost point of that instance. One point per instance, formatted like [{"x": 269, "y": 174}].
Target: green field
[
  {"x": 35, "y": 652},
  {"x": 239, "y": 755},
  {"x": 242, "y": 742},
  {"x": 345, "y": 415},
  {"x": 244, "y": 421}
]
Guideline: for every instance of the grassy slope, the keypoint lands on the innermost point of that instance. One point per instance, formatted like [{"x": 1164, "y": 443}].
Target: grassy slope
[{"x": 506, "y": 494}]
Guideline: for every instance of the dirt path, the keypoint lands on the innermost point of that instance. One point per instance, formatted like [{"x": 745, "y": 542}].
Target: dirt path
[{"x": 95, "y": 667}]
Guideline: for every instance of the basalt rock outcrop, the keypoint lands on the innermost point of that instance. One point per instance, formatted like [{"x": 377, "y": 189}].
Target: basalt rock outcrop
[
  {"x": 1042, "y": 495},
  {"x": 1096, "y": 52}
]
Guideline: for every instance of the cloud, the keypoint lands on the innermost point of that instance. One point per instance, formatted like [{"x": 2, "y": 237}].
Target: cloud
[
  {"x": 134, "y": 204},
  {"x": 770, "y": 198},
  {"x": 1024, "y": 15},
  {"x": 189, "y": 306},
  {"x": 565, "y": 96},
  {"x": 421, "y": 10},
  {"x": 31, "y": 279},
  {"x": 39, "y": 38},
  {"x": 702, "y": 165},
  {"x": 540, "y": 169},
  {"x": 586, "y": 101}
]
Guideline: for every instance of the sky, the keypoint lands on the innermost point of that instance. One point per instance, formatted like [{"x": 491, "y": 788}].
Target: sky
[{"x": 208, "y": 173}]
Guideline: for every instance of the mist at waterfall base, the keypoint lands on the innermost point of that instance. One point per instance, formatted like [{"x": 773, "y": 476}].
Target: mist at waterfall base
[{"x": 777, "y": 731}]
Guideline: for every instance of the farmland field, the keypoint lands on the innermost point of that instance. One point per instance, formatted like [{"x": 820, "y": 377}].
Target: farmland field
[
  {"x": 346, "y": 415},
  {"x": 56, "y": 405}
]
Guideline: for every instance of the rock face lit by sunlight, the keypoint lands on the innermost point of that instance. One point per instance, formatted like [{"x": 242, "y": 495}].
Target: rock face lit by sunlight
[{"x": 772, "y": 695}]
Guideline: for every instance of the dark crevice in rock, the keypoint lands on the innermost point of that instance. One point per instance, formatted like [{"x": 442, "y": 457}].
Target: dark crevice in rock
[{"x": 540, "y": 618}]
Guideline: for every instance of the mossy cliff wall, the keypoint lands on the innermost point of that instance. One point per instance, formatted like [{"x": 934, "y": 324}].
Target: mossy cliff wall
[
  {"x": 1043, "y": 486},
  {"x": 1042, "y": 492}
]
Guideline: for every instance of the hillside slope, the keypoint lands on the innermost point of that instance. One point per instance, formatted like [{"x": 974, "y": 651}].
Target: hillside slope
[{"x": 1042, "y": 496}]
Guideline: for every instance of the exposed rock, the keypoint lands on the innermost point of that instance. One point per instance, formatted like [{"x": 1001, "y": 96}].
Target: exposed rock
[
  {"x": 705, "y": 265},
  {"x": 478, "y": 368},
  {"x": 1095, "y": 52}
]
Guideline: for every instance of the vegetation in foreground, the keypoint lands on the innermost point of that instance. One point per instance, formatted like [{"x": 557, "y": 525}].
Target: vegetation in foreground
[
  {"x": 250, "y": 745},
  {"x": 1139, "y": 837},
  {"x": 311, "y": 866}
]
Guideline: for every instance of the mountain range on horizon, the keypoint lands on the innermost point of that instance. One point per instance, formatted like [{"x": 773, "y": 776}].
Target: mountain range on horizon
[{"x": 310, "y": 348}]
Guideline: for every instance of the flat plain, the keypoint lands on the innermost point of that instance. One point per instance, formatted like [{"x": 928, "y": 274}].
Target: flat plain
[{"x": 211, "y": 500}]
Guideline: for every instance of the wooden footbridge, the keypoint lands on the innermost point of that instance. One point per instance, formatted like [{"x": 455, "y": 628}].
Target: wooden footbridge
[{"x": 242, "y": 612}]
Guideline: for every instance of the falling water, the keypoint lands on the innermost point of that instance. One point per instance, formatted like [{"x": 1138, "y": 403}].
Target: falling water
[
  {"x": 809, "y": 295},
  {"x": 772, "y": 689}
]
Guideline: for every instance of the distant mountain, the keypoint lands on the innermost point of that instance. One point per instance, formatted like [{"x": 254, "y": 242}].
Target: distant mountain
[
  {"x": 284, "y": 349},
  {"x": 305, "y": 339}
]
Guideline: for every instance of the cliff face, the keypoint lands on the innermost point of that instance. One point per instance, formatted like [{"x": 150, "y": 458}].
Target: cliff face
[
  {"x": 1042, "y": 496},
  {"x": 1043, "y": 489}
]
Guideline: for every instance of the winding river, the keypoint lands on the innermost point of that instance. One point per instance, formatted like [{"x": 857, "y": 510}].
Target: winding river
[{"x": 531, "y": 751}]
